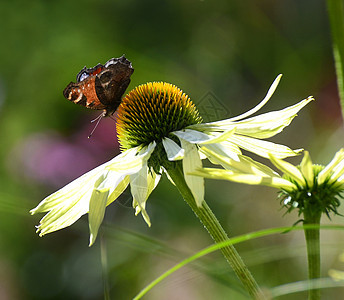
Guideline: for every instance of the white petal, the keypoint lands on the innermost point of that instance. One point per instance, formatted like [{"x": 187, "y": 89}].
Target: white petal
[
  {"x": 263, "y": 148},
  {"x": 191, "y": 162},
  {"x": 96, "y": 212},
  {"x": 76, "y": 189},
  {"x": 223, "y": 150},
  {"x": 276, "y": 182},
  {"x": 289, "y": 169},
  {"x": 244, "y": 165},
  {"x": 118, "y": 189},
  {"x": 338, "y": 171},
  {"x": 264, "y": 125},
  {"x": 132, "y": 161},
  {"x": 192, "y": 136},
  {"x": 306, "y": 166},
  {"x": 68, "y": 204},
  {"x": 327, "y": 171},
  {"x": 271, "y": 123},
  {"x": 139, "y": 190},
  {"x": 172, "y": 149},
  {"x": 152, "y": 181}
]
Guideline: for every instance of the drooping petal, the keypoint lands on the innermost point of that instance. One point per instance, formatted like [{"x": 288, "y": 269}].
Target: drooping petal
[
  {"x": 289, "y": 169},
  {"x": 139, "y": 190},
  {"x": 97, "y": 210},
  {"x": 152, "y": 181},
  {"x": 244, "y": 165},
  {"x": 68, "y": 204},
  {"x": 219, "y": 137},
  {"x": 201, "y": 138},
  {"x": 222, "y": 149},
  {"x": 263, "y": 148},
  {"x": 276, "y": 182},
  {"x": 172, "y": 149},
  {"x": 64, "y": 215},
  {"x": 306, "y": 166},
  {"x": 191, "y": 162},
  {"x": 132, "y": 161},
  {"x": 118, "y": 189},
  {"x": 327, "y": 171},
  {"x": 192, "y": 136},
  {"x": 74, "y": 190}
]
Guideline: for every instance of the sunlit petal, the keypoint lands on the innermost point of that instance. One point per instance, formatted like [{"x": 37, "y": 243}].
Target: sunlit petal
[
  {"x": 133, "y": 159},
  {"x": 191, "y": 162},
  {"x": 139, "y": 190},
  {"x": 271, "y": 123},
  {"x": 244, "y": 164},
  {"x": 287, "y": 168},
  {"x": 306, "y": 167},
  {"x": 96, "y": 212},
  {"x": 74, "y": 190},
  {"x": 276, "y": 182},
  {"x": 222, "y": 150},
  {"x": 192, "y": 136},
  {"x": 264, "y": 148},
  {"x": 327, "y": 171},
  {"x": 173, "y": 150}
]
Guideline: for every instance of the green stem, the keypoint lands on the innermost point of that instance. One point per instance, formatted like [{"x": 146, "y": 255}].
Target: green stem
[
  {"x": 312, "y": 236},
  {"x": 210, "y": 222},
  {"x": 335, "y": 10}
]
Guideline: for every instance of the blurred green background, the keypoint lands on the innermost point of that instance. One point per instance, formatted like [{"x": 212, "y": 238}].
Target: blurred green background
[{"x": 230, "y": 50}]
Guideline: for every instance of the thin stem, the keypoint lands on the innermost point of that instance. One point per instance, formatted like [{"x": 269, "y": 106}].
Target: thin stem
[
  {"x": 210, "y": 222},
  {"x": 312, "y": 236}
]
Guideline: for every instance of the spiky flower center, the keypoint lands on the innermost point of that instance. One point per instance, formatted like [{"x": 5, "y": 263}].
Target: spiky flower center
[
  {"x": 324, "y": 198},
  {"x": 151, "y": 112}
]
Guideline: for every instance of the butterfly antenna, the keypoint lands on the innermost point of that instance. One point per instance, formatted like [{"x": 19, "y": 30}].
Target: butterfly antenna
[{"x": 98, "y": 120}]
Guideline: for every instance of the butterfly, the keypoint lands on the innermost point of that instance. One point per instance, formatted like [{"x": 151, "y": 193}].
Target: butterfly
[{"x": 102, "y": 86}]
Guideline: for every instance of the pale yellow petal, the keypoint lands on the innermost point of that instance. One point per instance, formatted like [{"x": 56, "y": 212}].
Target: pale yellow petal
[
  {"x": 263, "y": 148},
  {"x": 328, "y": 170},
  {"x": 74, "y": 190},
  {"x": 276, "y": 182},
  {"x": 223, "y": 150},
  {"x": 139, "y": 190},
  {"x": 172, "y": 149},
  {"x": 97, "y": 211},
  {"x": 192, "y": 161},
  {"x": 306, "y": 167},
  {"x": 132, "y": 161},
  {"x": 244, "y": 165},
  {"x": 118, "y": 189},
  {"x": 271, "y": 123},
  {"x": 289, "y": 170}
]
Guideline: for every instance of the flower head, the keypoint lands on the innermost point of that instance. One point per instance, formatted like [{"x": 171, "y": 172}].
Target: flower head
[
  {"x": 158, "y": 125},
  {"x": 305, "y": 187}
]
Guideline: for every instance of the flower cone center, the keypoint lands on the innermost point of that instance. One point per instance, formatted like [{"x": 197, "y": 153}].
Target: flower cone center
[{"x": 151, "y": 112}]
